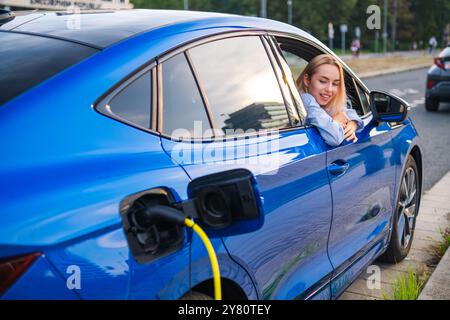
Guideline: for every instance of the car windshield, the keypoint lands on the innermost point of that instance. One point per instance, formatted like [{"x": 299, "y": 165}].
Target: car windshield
[{"x": 27, "y": 60}]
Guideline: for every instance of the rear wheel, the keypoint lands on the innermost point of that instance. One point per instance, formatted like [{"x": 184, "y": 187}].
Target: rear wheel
[
  {"x": 431, "y": 104},
  {"x": 195, "y": 295},
  {"x": 405, "y": 215}
]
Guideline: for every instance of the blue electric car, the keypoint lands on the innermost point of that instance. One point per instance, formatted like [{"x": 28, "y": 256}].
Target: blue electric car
[{"x": 105, "y": 115}]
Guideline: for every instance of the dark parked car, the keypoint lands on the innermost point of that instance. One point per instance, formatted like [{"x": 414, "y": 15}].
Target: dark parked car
[
  {"x": 438, "y": 81},
  {"x": 95, "y": 127}
]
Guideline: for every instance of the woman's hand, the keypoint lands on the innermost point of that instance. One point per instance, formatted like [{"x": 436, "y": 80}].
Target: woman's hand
[
  {"x": 349, "y": 131},
  {"x": 341, "y": 118}
]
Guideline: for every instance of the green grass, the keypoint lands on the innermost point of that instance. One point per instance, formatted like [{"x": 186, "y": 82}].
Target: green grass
[
  {"x": 406, "y": 286},
  {"x": 442, "y": 246}
]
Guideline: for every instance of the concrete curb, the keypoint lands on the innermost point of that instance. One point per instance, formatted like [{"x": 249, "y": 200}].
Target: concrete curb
[{"x": 438, "y": 285}]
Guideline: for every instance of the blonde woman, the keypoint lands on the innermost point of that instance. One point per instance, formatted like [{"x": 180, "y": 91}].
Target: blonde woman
[{"x": 322, "y": 88}]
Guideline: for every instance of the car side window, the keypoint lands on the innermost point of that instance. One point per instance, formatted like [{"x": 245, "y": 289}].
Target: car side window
[
  {"x": 133, "y": 102},
  {"x": 184, "y": 114},
  {"x": 240, "y": 85}
]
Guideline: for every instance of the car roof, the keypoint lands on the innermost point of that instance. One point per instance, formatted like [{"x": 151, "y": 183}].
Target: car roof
[{"x": 101, "y": 29}]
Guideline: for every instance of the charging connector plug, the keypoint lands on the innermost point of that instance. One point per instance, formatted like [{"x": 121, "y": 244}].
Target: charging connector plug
[{"x": 146, "y": 217}]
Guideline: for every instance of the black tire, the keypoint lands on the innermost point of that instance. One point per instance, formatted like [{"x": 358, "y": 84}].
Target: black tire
[
  {"x": 194, "y": 295},
  {"x": 431, "y": 105},
  {"x": 398, "y": 249}
]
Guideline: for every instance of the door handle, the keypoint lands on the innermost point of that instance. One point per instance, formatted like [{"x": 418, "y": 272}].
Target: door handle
[{"x": 338, "y": 167}]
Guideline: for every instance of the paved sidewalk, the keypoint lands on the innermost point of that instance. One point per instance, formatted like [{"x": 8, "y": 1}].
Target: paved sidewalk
[{"x": 434, "y": 216}]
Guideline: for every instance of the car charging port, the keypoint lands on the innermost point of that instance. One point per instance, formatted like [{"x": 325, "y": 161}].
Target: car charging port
[
  {"x": 156, "y": 227},
  {"x": 152, "y": 227}
]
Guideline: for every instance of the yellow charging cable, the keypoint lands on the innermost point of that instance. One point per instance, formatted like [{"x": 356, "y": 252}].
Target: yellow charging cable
[{"x": 212, "y": 257}]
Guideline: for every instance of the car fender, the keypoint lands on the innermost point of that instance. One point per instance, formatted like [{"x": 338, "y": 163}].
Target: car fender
[{"x": 404, "y": 141}]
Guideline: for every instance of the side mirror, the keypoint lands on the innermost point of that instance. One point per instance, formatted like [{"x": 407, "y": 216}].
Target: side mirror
[{"x": 387, "y": 107}]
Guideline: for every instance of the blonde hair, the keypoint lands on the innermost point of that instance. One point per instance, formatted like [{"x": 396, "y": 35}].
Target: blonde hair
[{"x": 338, "y": 100}]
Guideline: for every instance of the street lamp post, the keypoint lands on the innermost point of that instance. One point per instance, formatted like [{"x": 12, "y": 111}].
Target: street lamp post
[
  {"x": 343, "y": 29},
  {"x": 264, "y": 8},
  {"x": 330, "y": 35},
  {"x": 394, "y": 25},
  {"x": 377, "y": 35},
  {"x": 289, "y": 5},
  {"x": 186, "y": 4},
  {"x": 385, "y": 27}
]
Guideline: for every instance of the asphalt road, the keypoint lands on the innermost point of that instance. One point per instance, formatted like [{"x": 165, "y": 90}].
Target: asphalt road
[{"x": 433, "y": 127}]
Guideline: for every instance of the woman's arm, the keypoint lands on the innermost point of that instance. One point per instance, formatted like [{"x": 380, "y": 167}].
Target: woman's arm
[
  {"x": 330, "y": 130},
  {"x": 353, "y": 116},
  {"x": 354, "y": 124}
]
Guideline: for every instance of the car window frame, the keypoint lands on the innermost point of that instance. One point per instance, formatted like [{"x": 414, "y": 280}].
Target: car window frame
[
  {"x": 156, "y": 76},
  {"x": 351, "y": 88},
  {"x": 367, "y": 97},
  {"x": 308, "y": 42},
  {"x": 160, "y": 94},
  {"x": 198, "y": 42},
  {"x": 289, "y": 103},
  {"x": 287, "y": 76},
  {"x": 103, "y": 100}
]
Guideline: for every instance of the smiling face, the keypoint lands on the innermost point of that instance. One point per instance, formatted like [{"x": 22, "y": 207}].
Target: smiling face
[{"x": 323, "y": 85}]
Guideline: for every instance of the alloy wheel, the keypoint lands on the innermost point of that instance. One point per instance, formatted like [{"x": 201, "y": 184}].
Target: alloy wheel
[{"x": 407, "y": 207}]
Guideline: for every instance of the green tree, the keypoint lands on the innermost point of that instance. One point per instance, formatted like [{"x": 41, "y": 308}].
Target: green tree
[
  {"x": 158, "y": 4},
  {"x": 417, "y": 20},
  {"x": 430, "y": 18}
]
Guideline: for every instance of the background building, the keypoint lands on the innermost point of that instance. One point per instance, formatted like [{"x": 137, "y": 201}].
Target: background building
[{"x": 64, "y": 4}]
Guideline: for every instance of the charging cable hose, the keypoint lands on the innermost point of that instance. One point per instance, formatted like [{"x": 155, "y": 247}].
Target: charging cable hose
[
  {"x": 145, "y": 218},
  {"x": 212, "y": 256}
]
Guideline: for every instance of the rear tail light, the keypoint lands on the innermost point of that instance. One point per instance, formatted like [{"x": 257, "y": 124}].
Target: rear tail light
[
  {"x": 12, "y": 268},
  {"x": 440, "y": 63},
  {"x": 430, "y": 84}
]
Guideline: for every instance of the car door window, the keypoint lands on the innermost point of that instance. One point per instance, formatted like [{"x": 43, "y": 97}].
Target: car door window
[
  {"x": 133, "y": 103},
  {"x": 240, "y": 85},
  {"x": 184, "y": 114}
]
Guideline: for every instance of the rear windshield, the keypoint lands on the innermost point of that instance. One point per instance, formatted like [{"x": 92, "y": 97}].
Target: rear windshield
[
  {"x": 27, "y": 60},
  {"x": 445, "y": 53}
]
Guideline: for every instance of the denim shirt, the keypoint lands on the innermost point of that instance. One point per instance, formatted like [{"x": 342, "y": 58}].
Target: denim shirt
[{"x": 330, "y": 130}]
